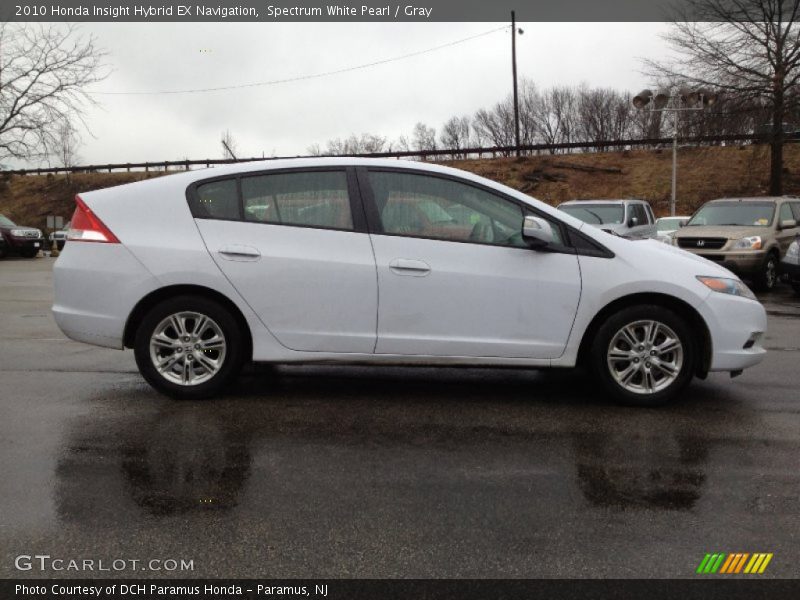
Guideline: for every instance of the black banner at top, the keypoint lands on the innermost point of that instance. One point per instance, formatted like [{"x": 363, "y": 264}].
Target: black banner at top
[{"x": 277, "y": 11}]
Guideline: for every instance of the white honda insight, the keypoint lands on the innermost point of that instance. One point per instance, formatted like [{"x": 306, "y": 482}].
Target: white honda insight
[{"x": 345, "y": 260}]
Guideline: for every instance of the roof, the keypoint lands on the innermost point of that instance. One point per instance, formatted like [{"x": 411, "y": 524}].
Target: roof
[{"x": 606, "y": 201}]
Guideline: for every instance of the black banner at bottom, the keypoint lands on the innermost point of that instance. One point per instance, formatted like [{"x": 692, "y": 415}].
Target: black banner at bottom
[{"x": 411, "y": 589}]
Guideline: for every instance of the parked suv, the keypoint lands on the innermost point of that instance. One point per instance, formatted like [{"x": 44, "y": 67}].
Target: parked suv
[
  {"x": 628, "y": 218},
  {"x": 25, "y": 241},
  {"x": 749, "y": 236}
]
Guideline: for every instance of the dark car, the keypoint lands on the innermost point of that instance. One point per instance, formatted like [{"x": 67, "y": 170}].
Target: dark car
[{"x": 24, "y": 241}]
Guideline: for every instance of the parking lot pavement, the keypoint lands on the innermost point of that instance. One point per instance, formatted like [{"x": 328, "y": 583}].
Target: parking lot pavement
[{"x": 387, "y": 472}]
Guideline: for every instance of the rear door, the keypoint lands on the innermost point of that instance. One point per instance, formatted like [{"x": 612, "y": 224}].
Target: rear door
[{"x": 294, "y": 244}]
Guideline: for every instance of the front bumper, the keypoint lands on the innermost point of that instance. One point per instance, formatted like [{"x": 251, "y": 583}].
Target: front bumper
[
  {"x": 737, "y": 327},
  {"x": 744, "y": 264},
  {"x": 20, "y": 244},
  {"x": 789, "y": 272}
]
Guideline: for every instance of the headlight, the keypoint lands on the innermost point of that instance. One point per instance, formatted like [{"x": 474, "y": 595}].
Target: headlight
[
  {"x": 724, "y": 285},
  {"x": 748, "y": 243},
  {"x": 794, "y": 250},
  {"x": 25, "y": 232}
]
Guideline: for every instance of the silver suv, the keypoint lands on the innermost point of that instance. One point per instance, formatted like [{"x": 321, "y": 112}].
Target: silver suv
[{"x": 628, "y": 218}]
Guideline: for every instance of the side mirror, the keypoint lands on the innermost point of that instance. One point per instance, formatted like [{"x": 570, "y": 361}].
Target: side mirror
[
  {"x": 682, "y": 223},
  {"x": 787, "y": 224},
  {"x": 633, "y": 222},
  {"x": 537, "y": 232}
]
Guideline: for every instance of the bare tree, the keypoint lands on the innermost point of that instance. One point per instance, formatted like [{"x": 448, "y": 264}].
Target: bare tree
[
  {"x": 67, "y": 141},
  {"x": 456, "y": 135},
  {"x": 228, "y": 142},
  {"x": 495, "y": 126},
  {"x": 44, "y": 71},
  {"x": 423, "y": 137},
  {"x": 747, "y": 48}
]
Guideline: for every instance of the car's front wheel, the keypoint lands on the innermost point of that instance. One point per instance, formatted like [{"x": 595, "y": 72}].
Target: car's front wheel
[
  {"x": 189, "y": 347},
  {"x": 767, "y": 277},
  {"x": 643, "y": 355}
]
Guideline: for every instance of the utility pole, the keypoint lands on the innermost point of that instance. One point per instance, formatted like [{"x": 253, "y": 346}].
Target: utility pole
[{"x": 514, "y": 73}]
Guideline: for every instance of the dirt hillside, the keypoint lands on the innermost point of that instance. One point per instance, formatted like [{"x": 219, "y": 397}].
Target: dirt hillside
[{"x": 703, "y": 174}]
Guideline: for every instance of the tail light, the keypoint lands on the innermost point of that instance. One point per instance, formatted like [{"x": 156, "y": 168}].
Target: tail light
[{"x": 87, "y": 226}]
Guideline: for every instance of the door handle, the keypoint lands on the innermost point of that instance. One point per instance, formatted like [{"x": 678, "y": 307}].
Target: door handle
[
  {"x": 407, "y": 266},
  {"x": 239, "y": 252}
]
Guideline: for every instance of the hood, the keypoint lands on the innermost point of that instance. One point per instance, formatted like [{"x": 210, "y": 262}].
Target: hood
[
  {"x": 652, "y": 256},
  {"x": 731, "y": 232}
]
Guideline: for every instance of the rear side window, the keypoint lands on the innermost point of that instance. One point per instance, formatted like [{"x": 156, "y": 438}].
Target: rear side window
[
  {"x": 216, "y": 200},
  {"x": 313, "y": 199}
]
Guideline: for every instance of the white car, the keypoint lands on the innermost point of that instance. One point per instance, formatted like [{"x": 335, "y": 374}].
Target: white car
[
  {"x": 386, "y": 262},
  {"x": 666, "y": 226}
]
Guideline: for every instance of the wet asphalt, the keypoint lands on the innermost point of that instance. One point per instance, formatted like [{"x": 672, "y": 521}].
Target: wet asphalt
[{"x": 386, "y": 472}]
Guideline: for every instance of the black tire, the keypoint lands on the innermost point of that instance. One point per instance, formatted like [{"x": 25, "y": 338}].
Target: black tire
[
  {"x": 767, "y": 276},
  {"x": 599, "y": 357},
  {"x": 29, "y": 253},
  {"x": 231, "y": 363}
]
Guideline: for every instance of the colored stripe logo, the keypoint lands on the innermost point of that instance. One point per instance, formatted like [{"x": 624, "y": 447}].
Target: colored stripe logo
[{"x": 734, "y": 563}]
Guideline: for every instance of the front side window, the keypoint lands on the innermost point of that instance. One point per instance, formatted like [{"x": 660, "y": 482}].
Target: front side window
[
  {"x": 636, "y": 211},
  {"x": 312, "y": 199},
  {"x": 595, "y": 214},
  {"x": 796, "y": 211},
  {"x": 434, "y": 207},
  {"x": 786, "y": 212}
]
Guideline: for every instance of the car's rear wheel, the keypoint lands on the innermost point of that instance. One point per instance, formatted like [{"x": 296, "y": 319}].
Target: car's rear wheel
[
  {"x": 189, "y": 347},
  {"x": 767, "y": 276},
  {"x": 643, "y": 355}
]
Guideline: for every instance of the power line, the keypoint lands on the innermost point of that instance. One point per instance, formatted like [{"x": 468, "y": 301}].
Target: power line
[{"x": 305, "y": 77}]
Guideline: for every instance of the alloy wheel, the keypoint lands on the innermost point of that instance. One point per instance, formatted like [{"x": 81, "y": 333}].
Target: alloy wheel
[
  {"x": 645, "y": 357},
  {"x": 187, "y": 348}
]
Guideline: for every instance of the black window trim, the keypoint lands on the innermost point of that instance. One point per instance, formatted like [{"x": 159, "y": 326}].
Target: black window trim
[
  {"x": 357, "y": 213},
  {"x": 376, "y": 228}
]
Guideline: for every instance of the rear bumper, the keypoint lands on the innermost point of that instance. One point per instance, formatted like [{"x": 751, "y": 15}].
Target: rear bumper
[{"x": 96, "y": 286}]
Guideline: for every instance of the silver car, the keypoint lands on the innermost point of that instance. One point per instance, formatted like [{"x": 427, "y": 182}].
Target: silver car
[{"x": 628, "y": 218}]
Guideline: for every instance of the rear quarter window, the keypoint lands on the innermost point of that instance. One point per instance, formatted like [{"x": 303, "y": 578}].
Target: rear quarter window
[{"x": 215, "y": 200}]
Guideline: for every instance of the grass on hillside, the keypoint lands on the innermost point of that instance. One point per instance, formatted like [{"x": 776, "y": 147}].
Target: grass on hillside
[{"x": 703, "y": 174}]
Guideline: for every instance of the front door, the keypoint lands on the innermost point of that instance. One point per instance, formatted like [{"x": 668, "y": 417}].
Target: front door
[{"x": 455, "y": 277}]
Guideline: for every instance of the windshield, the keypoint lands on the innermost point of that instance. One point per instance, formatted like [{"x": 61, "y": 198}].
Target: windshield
[
  {"x": 668, "y": 224},
  {"x": 744, "y": 214},
  {"x": 597, "y": 214},
  {"x": 6, "y": 222}
]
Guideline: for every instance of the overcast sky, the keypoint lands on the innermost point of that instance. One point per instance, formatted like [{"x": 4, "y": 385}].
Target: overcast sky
[{"x": 285, "y": 119}]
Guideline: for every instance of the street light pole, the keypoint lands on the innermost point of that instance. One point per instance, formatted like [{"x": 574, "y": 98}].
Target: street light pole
[
  {"x": 676, "y": 103},
  {"x": 514, "y": 73},
  {"x": 672, "y": 200}
]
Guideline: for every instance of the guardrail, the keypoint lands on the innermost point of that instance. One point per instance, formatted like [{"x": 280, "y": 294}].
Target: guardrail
[{"x": 452, "y": 153}]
